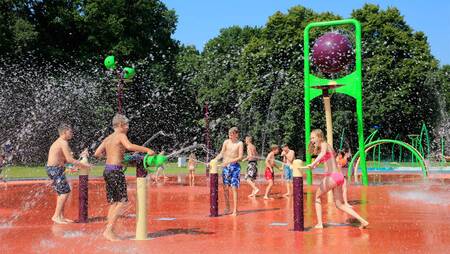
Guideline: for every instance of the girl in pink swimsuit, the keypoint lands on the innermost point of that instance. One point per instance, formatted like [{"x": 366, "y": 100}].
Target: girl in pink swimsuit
[{"x": 333, "y": 179}]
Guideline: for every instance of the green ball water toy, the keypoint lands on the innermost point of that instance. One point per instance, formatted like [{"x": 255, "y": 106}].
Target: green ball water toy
[
  {"x": 128, "y": 73},
  {"x": 110, "y": 62},
  {"x": 160, "y": 160},
  {"x": 149, "y": 162}
]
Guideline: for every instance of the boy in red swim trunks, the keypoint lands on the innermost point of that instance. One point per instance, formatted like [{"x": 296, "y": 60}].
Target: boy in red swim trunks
[{"x": 270, "y": 164}]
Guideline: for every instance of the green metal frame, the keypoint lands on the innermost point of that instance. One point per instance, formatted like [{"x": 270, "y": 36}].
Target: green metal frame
[
  {"x": 352, "y": 87},
  {"x": 370, "y": 145}
]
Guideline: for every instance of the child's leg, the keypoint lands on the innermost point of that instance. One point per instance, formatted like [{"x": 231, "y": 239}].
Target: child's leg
[
  {"x": 254, "y": 188},
  {"x": 235, "y": 200},
  {"x": 58, "y": 216},
  {"x": 324, "y": 187},
  {"x": 344, "y": 189},
  {"x": 268, "y": 188},
  {"x": 339, "y": 200},
  {"x": 227, "y": 199},
  {"x": 115, "y": 211},
  {"x": 193, "y": 177}
]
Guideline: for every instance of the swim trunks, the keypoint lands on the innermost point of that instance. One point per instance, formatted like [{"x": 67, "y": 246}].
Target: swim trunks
[
  {"x": 116, "y": 184},
  {"x": 252, "y": 171},
  {"x": 56, "y": 174},
  {"x": 269, "y": 175},
  {"x": 287, "y": 173},
  {"x": 231, "y": 175}
]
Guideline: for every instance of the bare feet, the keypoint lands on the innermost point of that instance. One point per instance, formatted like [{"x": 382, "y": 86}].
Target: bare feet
[
  {"x": 226, "y": 211},
  {"x": 253, "y": 193},
  {"x": 234, "y": 213},
  {"x": 108, "y": 234},
  {"x": 256, "y": 192},
  {"x": 348, "y": 205},
  {"x": 318, "y": 226},
  {"x": 59, "y": 220},
  {"x": 287, "y": 195},
  {"x": 267, "y": 198},
  {"x": 364, "y": 225},
  {"x": 67, "y": 220}
]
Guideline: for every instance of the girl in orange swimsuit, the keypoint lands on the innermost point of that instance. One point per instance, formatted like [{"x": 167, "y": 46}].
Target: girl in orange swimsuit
[{"x": 333, "y": 179}]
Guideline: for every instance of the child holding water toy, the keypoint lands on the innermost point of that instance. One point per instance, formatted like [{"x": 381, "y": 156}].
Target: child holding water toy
[
  {"x": 333, "y": 179},
  {"x": 192, "y": 162},
  {"x": 59, "y": 155},
  {"x": 160, "y": 169},
  {"x": 113, "y": 148},
  {"x": 232, "y": 152},
  {"x": 269, "y": 172}
]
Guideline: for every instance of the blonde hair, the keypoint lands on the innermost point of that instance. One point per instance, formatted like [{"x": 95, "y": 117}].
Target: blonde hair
[
  {"x": 274, "y": 147},
  {"x": 233, "y": 130},
  {"x": 192, "y": 157},
  {"x": 315, "y": 148},
  {"x": 119, "y": 119}
]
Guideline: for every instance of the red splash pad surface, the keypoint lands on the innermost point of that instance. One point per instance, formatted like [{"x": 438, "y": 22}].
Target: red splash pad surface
[{"x": 411, "y": 217}]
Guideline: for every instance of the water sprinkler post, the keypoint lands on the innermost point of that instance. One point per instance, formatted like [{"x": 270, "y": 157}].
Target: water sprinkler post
[
  {"x": 297, "y": 167},
  {"x": 141, "y": 201},
  {"x": 83, "y": 190},
  {"x": 214, "y": 189}
]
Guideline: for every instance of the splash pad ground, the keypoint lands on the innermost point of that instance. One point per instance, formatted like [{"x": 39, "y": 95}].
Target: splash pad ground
[{"x": 406, "y": 215}]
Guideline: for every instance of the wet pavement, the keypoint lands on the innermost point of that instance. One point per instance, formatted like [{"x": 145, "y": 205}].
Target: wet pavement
[{"x": 409, "y": 217}]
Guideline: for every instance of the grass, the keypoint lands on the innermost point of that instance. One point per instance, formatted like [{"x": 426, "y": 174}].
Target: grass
[{"x": 18, "y": 172}]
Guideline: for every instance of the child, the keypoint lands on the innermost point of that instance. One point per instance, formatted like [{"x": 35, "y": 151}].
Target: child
[
  {"x": 114, "y": 147},
  {"x": 59, "y": 155},
  {"x": 231, "y": 152},
  {"x": 288, "y": 158},
  {"x": 270, "y": 164},
  {"x": 333, "y": 179},
  {"x": 341, "y": 160},
  {"x": 252, "y": 168},
  {"x": 192, "y": 162}
]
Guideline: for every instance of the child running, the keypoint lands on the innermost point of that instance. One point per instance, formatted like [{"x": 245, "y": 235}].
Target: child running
[
  {"x": 252, "y": 166},
  {"x": 288, "y": 157},
  {"x": 192, "y": 162},
  {"x": 59, "y": 155},
  {"x": 114, "y": 147},
  {"x": 333, "y": 179},
  {"x": 231, "y": 152},
  {"x": 270, "y": 164}
]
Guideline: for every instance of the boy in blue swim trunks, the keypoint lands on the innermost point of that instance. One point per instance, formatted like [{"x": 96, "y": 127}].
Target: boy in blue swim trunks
[
  {"x": 114, "y": 147},
  {"x": 59, "y": 155},
  {"x": 288, "y": 157},
  {"x": 232, "y": 152}
]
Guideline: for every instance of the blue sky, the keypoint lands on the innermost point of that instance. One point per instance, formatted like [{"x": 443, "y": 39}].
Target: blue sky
[{"x": 201, "y": 20}]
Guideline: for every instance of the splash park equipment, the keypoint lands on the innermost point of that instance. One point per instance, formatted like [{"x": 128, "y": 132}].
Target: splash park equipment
[
  {"x": 124, "y": 75},
  {"x": 332, "y": 55},
  {"x": 332, "y": 52},
  {"x": 150, "y": 162},
  {"x": 213, "y": 189}
]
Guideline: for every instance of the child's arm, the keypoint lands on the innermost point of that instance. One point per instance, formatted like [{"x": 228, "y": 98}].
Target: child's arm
[
  {"x": 69, "y": 158},
  {"x": 220, "y": 155},
  {"x": 100, "y": 151},
  {"x": 323, "y": 151},
  {"x": 134, "y": 148}
]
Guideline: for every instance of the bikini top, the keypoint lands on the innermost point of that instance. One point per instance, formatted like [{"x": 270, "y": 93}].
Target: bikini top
[{"x": 328, "y": 155}]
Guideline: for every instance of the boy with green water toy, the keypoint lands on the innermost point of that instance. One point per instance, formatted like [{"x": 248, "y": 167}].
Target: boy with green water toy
[
  {"x": 59, "y": 155},
  {"x": 113, "y": 148},
  {"x": 232, "y": 152}
]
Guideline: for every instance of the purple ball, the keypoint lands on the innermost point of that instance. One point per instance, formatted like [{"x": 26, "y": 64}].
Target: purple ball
[{"x": 332, "y": 52}]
